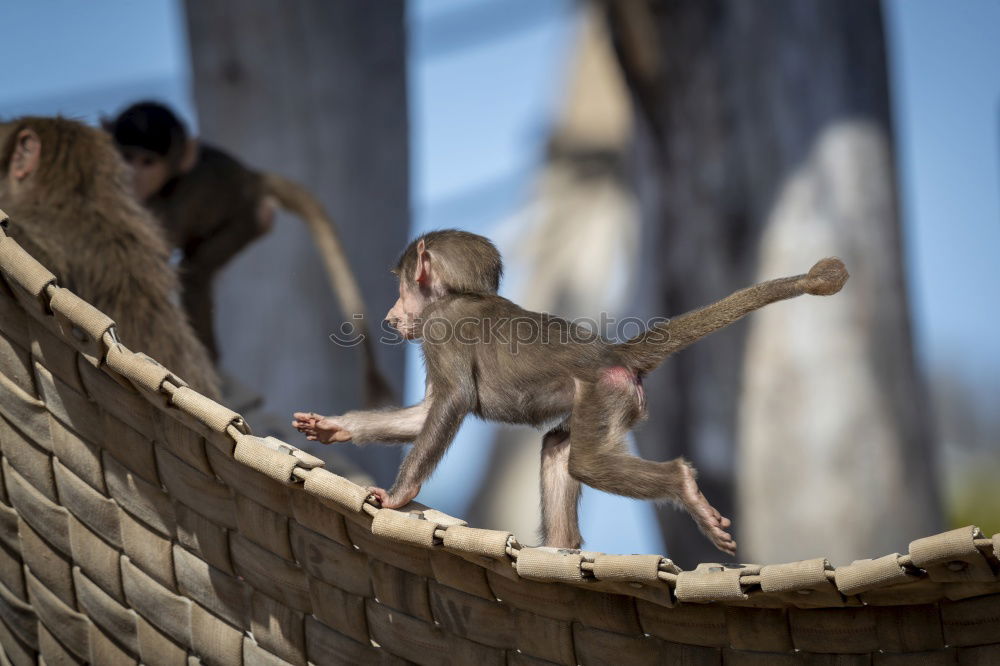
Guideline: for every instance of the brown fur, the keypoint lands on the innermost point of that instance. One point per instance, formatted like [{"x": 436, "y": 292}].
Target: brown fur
[
  {"x": 210, "y": 214},
  {"x": 470, "y": 264},
  {"x": 648, "y": 349},
  {"x": 78, "y": 217},
  {"x": 560, "y": 491},
  {"x": 543, "y": 369}
]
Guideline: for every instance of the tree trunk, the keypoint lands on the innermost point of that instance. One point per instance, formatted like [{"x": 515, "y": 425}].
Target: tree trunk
[
  {"x": 314, "y": 90},
  {"x": 576, "y": 247},
  {"x": 768, "y": 146}
]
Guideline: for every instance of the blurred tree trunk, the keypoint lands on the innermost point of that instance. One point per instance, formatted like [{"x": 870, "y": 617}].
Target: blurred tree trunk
[
  {"x": 314, "y": 90},
  {"x": 577, "y": 246},
  {"x": 767, "y": 145}
]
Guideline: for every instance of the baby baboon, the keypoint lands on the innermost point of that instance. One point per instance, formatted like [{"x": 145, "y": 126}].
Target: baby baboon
[
  {"x": 212, "y": 207},
  {"x": 69, "y": 197},
  {"x": 485, "y": 355}
]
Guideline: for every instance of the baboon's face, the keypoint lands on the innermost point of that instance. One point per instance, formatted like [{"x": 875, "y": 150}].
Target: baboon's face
[
  {"x": 404, "y": 316},
  {"x": 150, "y": 172}
]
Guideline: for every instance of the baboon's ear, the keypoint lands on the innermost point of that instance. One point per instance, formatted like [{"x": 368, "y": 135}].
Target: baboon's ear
[
  {"x": 27, "y": 154},
  {"x": 189, "y": 157},
  {"x": 422, "y": 274}
]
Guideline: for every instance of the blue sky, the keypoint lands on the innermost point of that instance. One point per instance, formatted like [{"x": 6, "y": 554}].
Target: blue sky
[
  {"x": 66, "y": 51},
  {"x": 943, "y": 59},
  {"x": 482, "y": 94}
]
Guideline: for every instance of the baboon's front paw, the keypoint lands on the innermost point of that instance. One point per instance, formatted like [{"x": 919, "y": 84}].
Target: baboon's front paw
[{"x": 826, "y": 277}]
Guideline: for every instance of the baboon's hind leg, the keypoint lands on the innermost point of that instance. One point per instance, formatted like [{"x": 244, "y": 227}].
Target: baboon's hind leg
[
  {"x": 603, "y": 413},
  {"x": 560, "y": 492}
]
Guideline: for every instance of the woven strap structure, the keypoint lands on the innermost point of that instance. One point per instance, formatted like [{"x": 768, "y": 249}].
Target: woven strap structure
[{"x": 141, "y": 522}]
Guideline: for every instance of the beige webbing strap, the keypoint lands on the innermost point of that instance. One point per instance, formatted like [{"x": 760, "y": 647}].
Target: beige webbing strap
[
  {"x": 303, "y": 460},
  {"x": 794, "y": 576},
  {"x": 627, "y": 568},
  {"x": 19, "y": 616},
  {"x": 306, "y": 459},
  {"x": 337, "y": 489},
  {"x": 710, "y": 583},
  {"x": 141, "y": 370},
  {"x": 404, "y": 527},
  {"x": 542, "y": 564},
  {"x": 952, "y": 557},
  {"x": 23, "y": 269},
  {"x": 864, "y": 575},
  {"x": 76, "y": 315},
  {"x": 206, "y": 410},
  {"x": 442, "y": 518},
  {"x": 254, "y": 453},
  {"x": 488, "y": 543}
]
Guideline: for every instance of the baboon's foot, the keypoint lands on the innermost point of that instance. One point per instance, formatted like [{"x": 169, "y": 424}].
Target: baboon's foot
[
  {"x": 392, "y": 500},
  {"x": 826, "y": 277},
  {"x": 711, "y": 523}
]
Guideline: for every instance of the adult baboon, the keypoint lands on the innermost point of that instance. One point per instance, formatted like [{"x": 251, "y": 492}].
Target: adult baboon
[{"x": 69, "y": 196}]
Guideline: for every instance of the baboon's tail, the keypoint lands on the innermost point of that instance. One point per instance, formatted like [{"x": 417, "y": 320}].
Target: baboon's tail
[
  {"x": 648, "y": 349},
  {"x": 296, "y": 199}
]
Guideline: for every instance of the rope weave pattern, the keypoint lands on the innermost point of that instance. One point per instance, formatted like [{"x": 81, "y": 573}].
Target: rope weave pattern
[{"x": 143, "y": 522}]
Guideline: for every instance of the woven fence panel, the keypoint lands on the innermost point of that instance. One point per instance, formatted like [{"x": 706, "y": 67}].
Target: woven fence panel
[{"x": 143, "y": 523}]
